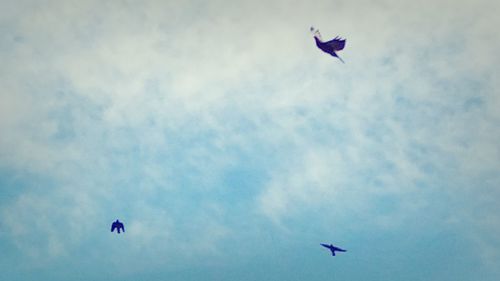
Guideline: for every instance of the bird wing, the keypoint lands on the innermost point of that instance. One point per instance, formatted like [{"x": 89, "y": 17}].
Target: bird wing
[
  {"x": 123, "y": 227},
  {"x": 336, "y": 43},
  {"x": 325, "y": 245},
  {"x": 338, "y": 249},
  {"x": 113, "y": 226}
]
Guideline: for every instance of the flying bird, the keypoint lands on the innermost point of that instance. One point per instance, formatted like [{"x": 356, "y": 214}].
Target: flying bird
[
  {"x": 333, "y": 248},
  {"x": 330, "y": 47},
  {"x": 117, "y": 225}
]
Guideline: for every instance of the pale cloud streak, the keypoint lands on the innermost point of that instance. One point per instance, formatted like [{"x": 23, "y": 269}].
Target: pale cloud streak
[{"x": 159, "y": 100}]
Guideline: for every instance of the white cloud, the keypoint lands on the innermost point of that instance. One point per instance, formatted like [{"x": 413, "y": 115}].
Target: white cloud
[{"x": 113, "y": 99}]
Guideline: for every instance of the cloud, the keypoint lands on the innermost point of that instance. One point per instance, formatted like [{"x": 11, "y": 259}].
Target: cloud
[{"x": 142, "y": 110}]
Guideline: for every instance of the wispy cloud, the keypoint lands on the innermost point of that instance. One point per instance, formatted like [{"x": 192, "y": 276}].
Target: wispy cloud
[{"x": 144, "y": 111}]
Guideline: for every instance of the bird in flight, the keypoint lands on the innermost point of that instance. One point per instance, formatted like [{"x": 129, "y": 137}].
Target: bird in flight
[
  {"x": 330, "y": 47},
  {"x": 333, "y": 248},
  {"x": 117, "y": 225}
]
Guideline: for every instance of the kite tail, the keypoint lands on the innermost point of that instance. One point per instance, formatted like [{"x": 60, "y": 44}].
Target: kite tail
[{"x": 341, "y": 59}]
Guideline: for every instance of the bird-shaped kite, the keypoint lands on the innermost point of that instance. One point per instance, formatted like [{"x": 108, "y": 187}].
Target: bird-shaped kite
[
  {"x": 117, "y": 225},
  {"x": 329, "y": 47},
  {"x": 333, "y": 248}
]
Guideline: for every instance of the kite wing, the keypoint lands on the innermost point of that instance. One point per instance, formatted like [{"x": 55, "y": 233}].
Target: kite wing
[{"x": 336, "y": 43}]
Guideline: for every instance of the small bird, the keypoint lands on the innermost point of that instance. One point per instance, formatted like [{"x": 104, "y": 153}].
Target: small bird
[
  {"x": 117, "y": 225},
  {"x": 329, "y": 47},
  {"x": 333, "y": 248}
]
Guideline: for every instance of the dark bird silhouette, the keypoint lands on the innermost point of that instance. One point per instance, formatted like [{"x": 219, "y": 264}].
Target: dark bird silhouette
[
  {"x": 117, "y": 225},
  {"x": 333, "y": 248},
  {"x": 330, "y": 47}
]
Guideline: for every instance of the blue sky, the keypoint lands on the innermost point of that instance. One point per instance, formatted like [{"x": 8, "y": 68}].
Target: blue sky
[{"x": 230, "y": 146}]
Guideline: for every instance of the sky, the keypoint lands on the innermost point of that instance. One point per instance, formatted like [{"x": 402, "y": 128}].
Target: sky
[{"x": 231, "y": 147}]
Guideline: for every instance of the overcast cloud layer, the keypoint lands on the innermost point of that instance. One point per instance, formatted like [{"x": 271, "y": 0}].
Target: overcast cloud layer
[{"x": 230, "y": 146}]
